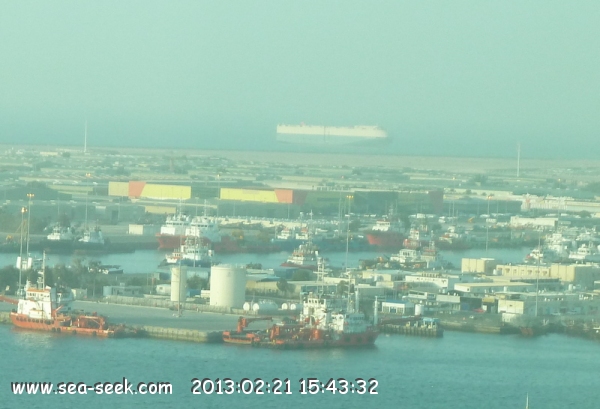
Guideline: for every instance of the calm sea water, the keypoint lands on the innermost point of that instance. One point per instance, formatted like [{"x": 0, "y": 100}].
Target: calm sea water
[
  {"x": 458, "y": 371},
  {"x": 146, "y": 261}
]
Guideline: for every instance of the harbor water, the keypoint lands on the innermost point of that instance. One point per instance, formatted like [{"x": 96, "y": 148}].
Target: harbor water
[
  {"x": 460, "y": 371},
  {"x": 147, "y": 261}
]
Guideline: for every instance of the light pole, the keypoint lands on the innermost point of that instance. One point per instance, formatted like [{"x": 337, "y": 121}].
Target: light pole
[
  {"x": 487, "y": 225},
  {"x": 23, "y": 210},
  {"x": 30, "y": 197},
  {"x": 349, "y": 198},
  {"x": 87, "y": 175}
]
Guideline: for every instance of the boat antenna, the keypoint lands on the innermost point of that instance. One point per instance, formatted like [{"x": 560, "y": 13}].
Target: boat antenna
[
  {"x": 527, "y": 402},
  {"x": 537, "y": 278},
  {"x": 44, "y": 269}
]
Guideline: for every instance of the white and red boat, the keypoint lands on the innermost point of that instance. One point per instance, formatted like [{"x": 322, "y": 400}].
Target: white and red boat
[
  {"x": 42, "y": 310},
  {"x": 417, "y": 238},
  {"x": 173, "y": 231},
  {"x": 326, "y": 321},
  {"x": 305, "y": 256},
  {"x": 386, "y": 233},
  {"x": 192, "y": 253}
]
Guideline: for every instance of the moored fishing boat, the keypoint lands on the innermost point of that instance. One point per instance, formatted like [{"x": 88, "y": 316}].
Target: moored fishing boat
[
  {"x": 386, "y": 233},
  {"x": 193, "y": 253},
  {"x": 305, "y": 256}
]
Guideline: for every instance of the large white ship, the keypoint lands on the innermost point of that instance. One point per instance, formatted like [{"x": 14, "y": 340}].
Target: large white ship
[{"x": 330, "y": 135}]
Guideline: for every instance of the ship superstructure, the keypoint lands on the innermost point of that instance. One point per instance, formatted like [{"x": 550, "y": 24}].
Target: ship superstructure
[{"x": 330, "y": 135}]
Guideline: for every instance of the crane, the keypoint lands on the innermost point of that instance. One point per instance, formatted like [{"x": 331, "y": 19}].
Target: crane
[{"x": 243, "y": 322}]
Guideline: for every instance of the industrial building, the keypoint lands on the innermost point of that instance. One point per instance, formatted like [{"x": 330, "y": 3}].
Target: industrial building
[
  {"x": 548, "y": 304},
  {"x": 583, "y": 275},
  {"x": 481, "y": 289},
  {"x": 440, "y": 281},
  {"x": 284, "y": 203},
  {"x": 478, "y": 265}
]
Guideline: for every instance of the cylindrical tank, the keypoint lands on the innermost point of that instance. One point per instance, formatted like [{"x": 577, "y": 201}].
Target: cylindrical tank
[
  {"x": 571, "y": 287},
  {"x": 264, "y": 306},
  {"x": 178, "y": 283},
  {"x": 247, "y": 306},
  {"x": 285, "y": 306},
  {"x": 293, "y": 306},
  {"x": 227, "y": 286},
  {"x": 419, "y": 309}
]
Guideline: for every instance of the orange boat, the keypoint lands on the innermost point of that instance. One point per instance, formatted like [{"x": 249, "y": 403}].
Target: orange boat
[
  {"x": 242, "y": 336},
  {"x": 41, "y": 310},
  {"x": 325, "y": 322}
]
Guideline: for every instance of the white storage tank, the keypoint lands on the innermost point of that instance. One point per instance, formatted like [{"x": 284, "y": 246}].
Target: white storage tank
[
  {"x": 178, "y": 283},
  {"x": 264, "y": 306},
  {"x": 294, "y": 307},
  {"x": 284, "y": 306},
  {"x": 227, "y": 286},
  {"x": 247, "y": 306},
  {"x": 419, "y": 309}
]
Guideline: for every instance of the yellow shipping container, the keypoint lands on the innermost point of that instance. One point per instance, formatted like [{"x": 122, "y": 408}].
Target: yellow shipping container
[
  {"x": 118, "y": 188},
  {"x": 249, "y": 195},
  {"x": 167, "y": 192}
]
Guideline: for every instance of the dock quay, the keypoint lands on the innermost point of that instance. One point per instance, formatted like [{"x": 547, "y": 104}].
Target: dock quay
[
  {"x": 434, "y": 331},
  {"x": 176, "y": 334},
  {"x": 481, "y": 328},
  {"x": 412, "y": 325}
]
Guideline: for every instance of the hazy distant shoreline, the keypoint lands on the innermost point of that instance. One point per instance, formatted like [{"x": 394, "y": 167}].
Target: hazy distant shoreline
[{"x": 442, "y": 163}]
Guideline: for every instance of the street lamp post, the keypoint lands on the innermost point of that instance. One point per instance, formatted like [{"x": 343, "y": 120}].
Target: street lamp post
[
  {"x": 30, "y": 197},
  {"x": 349, "y": 198},
  {"x": 487, "y": 225},
  {"x": 23, "y": 210}
]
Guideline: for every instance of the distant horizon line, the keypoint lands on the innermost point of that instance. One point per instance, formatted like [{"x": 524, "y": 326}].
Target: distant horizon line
[{"x": 316, "y": 150}]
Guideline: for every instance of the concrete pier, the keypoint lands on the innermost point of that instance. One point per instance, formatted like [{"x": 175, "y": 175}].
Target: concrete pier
[{"x": 419, "y": 331}]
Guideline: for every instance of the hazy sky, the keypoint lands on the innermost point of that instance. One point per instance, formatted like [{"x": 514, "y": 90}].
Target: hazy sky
[{"x": 442, "y": 77}]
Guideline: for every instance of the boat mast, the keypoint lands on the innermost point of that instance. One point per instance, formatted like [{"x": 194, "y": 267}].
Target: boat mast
[
  {"x": 44, "y": 269},
  {"x": 537, "y": 278}
]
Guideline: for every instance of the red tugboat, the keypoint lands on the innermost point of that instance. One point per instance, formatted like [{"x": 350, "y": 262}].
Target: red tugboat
[
  {"x": 41, "y": 310},
  {"x": 326, "y": 321},
  {"x": 386, "y": 233}
]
